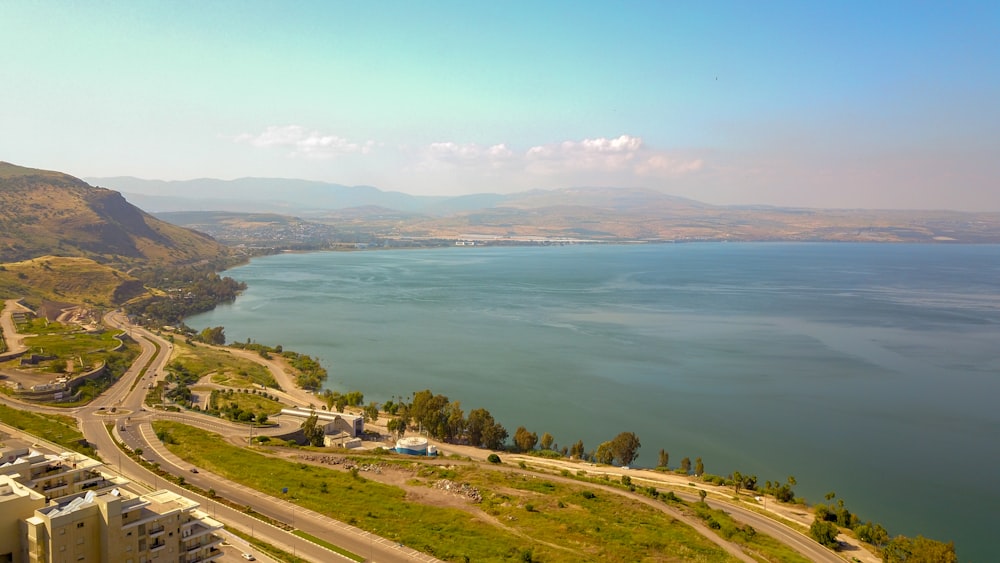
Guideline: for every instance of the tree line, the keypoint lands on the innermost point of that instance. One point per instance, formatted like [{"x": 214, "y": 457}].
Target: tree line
[{"x": 185, "y": 297}]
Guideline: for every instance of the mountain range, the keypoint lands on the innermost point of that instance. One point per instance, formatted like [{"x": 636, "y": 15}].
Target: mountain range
[{"x": 584, "y": 213}]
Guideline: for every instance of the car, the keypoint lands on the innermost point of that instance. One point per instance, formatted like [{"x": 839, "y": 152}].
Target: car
[
  {"x": 248, "y": 557},
  {"x": 194, "y": 470}
]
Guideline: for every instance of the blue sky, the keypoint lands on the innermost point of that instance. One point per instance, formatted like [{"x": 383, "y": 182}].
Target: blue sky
[{"x": 819, "y": 104}]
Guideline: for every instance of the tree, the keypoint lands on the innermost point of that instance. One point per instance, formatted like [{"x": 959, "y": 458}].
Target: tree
[
  {"x": 455, "y": 418},
  {"x": 312, "y": 431},
  {"x": 576, "y": 450},
  {"x": 702, "y": 493},
  {"x": 686, "y": 465},
  {"x": 524, "y": 440},
  {"x": 396, "y": 426},
  {"x": 699, "y": 467},
  {"x": 824, "y": 532},
  {"x": 262, "y": 418},
  {"x": 479, "y": 419},
  {"x": 547, "y": 440},
  {"x": 605, "y": 453},
  {"x": 329, "y": 398},
  {"x": 58, "y": 365},
  {"x": 919, "y": 550},
  {"x": 664, "y": 460},
  {"x": 874, "y": 534},
  {"x": 626, "y": 448},
  {"x": 428, "y": 410},
  {"x": 371, "y": 412},
  {"x": 494, "y": 436},
  {"x": 213, "y": 335},
  {"x": 737, "y": 482}
]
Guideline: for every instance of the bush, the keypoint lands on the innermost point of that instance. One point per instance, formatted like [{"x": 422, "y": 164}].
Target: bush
[{"x": 494, "y": 458}]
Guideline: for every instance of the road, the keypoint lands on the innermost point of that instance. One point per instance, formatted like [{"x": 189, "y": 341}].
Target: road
[
  {"x": 131, "y": 423},
  {"x": 131, "y": 414},
  {"x": 806, "y": 546}
]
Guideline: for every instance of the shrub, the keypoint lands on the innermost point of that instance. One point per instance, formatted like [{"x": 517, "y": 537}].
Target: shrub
[{"x": 494, "y": 458}]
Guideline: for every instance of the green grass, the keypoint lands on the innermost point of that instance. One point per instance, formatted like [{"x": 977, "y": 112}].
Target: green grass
[
  {"x": 226, "y": 369},
  {"x": 56, "y": 428},
  {"x": 608, "y": 527},
  {"x": 249, "y": 402},
  {"x": 328, "y": 545},
  {"x": 65, "y": 279}
]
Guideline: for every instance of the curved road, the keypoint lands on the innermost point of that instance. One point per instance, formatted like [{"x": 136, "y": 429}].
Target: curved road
[{"x": 127, "y": 395}]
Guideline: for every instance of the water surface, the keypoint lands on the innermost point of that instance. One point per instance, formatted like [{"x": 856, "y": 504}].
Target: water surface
[{"x": 869, "y": 370}]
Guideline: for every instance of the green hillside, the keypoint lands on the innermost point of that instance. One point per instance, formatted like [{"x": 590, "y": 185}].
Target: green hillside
[{"x": 46, "y": 213}]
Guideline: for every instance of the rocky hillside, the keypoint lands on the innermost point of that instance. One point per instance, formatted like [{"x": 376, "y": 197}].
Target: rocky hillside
[{"x": 45, "y": 213}]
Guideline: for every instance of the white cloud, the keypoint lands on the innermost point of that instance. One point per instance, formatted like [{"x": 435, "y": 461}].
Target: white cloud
[
  {"x": 625, "y": 158},
  {"x": 600, "y": 154},
  {"x": 665, "y": 165},
  {"x": 304, "y": 143},
  {"x": 467, "y": 155}
]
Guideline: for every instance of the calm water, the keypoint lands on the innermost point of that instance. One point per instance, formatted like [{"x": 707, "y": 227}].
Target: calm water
[{"x": 869, "y": 370}]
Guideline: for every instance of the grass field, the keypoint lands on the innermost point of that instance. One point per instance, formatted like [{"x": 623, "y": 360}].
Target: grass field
[
  {"x": 225, "y": 368},
  {"x": 59, "y": 429},
  {"x": 248, "y": 402},
  {"x": 69, "y": 279},
  {"x": 522, "y": 518}
]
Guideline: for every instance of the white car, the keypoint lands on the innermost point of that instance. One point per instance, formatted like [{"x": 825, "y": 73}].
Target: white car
[{"x": 248, "y": 557}]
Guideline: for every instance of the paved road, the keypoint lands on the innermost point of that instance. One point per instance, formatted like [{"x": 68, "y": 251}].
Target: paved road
[
  {"x": 130, "y": 413},
  {"x": 127, "y": 397},
  {"x": 806, "y": 546}
]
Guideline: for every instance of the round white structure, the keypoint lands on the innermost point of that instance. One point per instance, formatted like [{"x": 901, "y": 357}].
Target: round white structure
[{"x": 413, "y": 445}]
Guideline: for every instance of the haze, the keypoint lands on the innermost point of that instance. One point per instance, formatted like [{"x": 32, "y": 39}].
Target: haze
[{"x": 846, "y": 104}]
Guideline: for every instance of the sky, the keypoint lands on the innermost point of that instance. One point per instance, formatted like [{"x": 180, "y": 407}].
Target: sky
[{"x": 814, "y": 104}]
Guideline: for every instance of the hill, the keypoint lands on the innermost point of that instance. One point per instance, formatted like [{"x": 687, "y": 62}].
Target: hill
[
  {"x": 46, "y": 213},
  {"x": 67, "y": 280},
  {"x": 591, "y": 213}
]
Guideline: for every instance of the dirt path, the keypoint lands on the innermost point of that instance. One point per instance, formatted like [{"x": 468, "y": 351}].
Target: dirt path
[{"x": 15, "y": 341}]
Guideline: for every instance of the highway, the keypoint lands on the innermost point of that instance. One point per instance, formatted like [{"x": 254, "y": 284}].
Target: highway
[
  {"x": 121, "y": 406},
  {"x": 131, "y": 425}
]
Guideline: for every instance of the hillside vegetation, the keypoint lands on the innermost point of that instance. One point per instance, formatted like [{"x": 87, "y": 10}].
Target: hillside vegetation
[
  {"x": 67, "y": 279},
  {"x": 51, "y": 213}
]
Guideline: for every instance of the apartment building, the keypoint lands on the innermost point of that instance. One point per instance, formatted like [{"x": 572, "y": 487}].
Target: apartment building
[
  {"x": 56, "y": 475},
  {"x": 17, "y": 502},
  {"x": 120, "y": 526}
]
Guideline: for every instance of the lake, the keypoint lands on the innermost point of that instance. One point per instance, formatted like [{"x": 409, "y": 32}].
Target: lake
[{"x": 868, "y": 370}]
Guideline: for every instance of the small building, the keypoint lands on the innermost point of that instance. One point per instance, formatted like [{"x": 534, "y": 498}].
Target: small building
[{"x": 333, "y": 423}]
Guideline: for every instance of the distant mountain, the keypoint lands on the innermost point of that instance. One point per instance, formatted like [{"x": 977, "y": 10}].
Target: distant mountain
[
  {"x": 589, "y": 213},
  {"x": 261, "y": 195},
  {"x": 46, "y": 213}
]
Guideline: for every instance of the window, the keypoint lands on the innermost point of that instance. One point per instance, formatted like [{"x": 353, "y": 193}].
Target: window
[{"x": 79, "y": 524}]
